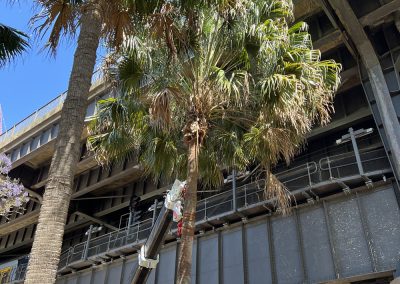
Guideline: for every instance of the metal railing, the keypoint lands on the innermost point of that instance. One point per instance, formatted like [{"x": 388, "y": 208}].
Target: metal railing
[
  {"x": 35, "y": 118},
  {"x": 116, "y": 239},
  {"x": 307, "y": 175}
]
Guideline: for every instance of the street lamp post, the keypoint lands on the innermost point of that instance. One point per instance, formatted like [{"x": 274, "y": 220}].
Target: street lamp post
[
  {"x": 89, "y": 237},
  {"x": 352, "y": 136}
]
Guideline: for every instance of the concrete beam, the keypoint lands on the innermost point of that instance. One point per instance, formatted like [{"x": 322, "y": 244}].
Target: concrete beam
[
  {"x": 349, "y": 79},
  {"x": 19, "y": 223},
  {"x": 378, "y": 83},
  {"x": 329, "y": 41},
  {"x": 379, "y": 14},
  {"x": 112, "y": 182},
  {"x": 96, "y": 220},
  {"x": 305, "y": 8}
]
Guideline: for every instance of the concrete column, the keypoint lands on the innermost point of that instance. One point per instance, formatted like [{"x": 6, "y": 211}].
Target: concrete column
[{"x": 379, "y": 87}]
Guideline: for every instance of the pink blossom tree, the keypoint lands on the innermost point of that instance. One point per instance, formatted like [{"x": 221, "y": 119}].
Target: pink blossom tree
[{"x": 12, "y": 193}]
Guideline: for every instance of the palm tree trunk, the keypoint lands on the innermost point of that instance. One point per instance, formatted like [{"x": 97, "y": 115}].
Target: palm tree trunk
[
  {"x": 47, "y": 244},
  {"x": 189, "y": 217}
]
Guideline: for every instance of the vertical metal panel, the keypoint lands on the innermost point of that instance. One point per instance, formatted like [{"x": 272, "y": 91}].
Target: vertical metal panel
[
  {"x": 54, "y": 131},
  {"x": 194, "y": 262},
  {"x": 35, "y": 143},
  {"x": 232, "y": 254},
  {"x": 208, "y": 260},
  {"x": 61, "y": 280},
  {"x": 257, "y": 247},
  {"x": 45, "y": 137},
  {"x": 72, "y": 280},
  {"x": 129, "y": 270},
  {"x": 99, "y": 275},
  {"x": 91, "y": 109},
  {"x": 348, "y": 238},
  {"x": 166, "y": 266},
  {"x": 114, "y": 273},
  {"x": 316, "y": 248},
  {"x": 381, "y": 213},
  {"x": 85, "y": 277},
  {"x": 286, "y": 251},
  {"x": 152, "y": 277}
]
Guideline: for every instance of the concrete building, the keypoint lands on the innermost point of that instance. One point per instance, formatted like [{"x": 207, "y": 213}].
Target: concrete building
[{"x": 344, "y": 229}]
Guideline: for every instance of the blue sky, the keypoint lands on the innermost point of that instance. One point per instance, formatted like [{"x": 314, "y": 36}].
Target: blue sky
[{"x": 36, "y": 77}]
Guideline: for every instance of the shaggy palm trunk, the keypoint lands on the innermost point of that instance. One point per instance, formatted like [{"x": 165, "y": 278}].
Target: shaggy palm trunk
[
  {"x": 189, "y": 217},
  {"x": 46, "y": 248}
]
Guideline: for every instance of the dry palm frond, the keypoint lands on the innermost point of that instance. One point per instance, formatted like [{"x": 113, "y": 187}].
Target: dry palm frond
[
  {"x": 278, "y": 193},
  {"x": 160, "y": 110},
  {"x": 58, "y": 16}
]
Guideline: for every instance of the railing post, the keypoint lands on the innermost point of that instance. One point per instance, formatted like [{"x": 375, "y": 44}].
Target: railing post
[
  {"x": 309, "y": 175},
  {"x": 85, "y": 253},
  {"x": 109, "y": 242},
  {"x": 245, "y": 195},
  {"x": 70, "y": 253},
  {"x": 234, "y": 189},
  {"x": 137, "y": 231},
  {"x": 356, "y": 151},
  {"x": 329, "y": 167},
  {"x": 36, "y": 114},
  {"x": 205, "y": 208}
]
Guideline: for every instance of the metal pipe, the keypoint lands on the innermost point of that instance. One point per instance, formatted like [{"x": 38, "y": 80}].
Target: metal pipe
[
  {"x": 234, "y": 189},
  {"x": 356, "y": 151},
  {"x": 85, "y": 254},
  {"x": 128, "y": 227}
]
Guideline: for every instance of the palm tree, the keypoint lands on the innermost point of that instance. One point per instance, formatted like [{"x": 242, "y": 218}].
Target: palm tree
[
  {"x": 96, "y": 20},
  {"x": 243, "y": 92},
  {"x": 12, "y": 43}
]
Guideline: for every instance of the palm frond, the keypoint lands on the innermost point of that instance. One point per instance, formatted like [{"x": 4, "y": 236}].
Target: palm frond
[{"x": 12, "y": 44}]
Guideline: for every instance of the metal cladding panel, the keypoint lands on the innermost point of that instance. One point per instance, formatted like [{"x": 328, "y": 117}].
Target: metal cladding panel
[
  {"x": 114, "y": 273},
  {"x": 72, "y": 280},
  {"x": 208, "y": 260},
  {"x": 316, "y": 246},
  {"x": 361, "y": 230},
  {"x": 99, "y": 276},
  {"x": 85, "y": 278},
  {"x": 166, "y": 266},
  {"x": 45, "y": 137},
  {"x": 152, "y": 277},
  {"x": 257, "y": 249},
  {"x": 286, "y": 251},
  {"x": 348, "y": 237},
  {"x": 60, "y": 281},
  {"x": 382, "y": 217},
  {"x": 194, "y": 262},
  {"x": 129, "y": 271},
  {"x": 232, "y": 255}
]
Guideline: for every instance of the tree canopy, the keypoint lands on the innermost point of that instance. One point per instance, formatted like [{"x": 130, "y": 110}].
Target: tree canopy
[{"x": 241, "y": 81}]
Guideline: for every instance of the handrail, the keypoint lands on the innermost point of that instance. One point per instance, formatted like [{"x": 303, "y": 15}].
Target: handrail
[
  {"x": 326, "y": 161},
  {"x": 33, "y": 119}
]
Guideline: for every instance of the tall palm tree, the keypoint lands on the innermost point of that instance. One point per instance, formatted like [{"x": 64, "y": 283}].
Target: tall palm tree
[
  {"x": 12, "y": 43},
  {"x": 95, "y": 20},
  {"x": 244, "y": 91}
]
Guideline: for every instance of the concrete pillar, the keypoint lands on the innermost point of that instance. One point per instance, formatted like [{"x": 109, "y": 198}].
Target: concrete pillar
[{"x": 378, "y": 84}]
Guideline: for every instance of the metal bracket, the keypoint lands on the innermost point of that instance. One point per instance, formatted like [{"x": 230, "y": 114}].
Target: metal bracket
[
  {"x": 368, "y": 181},
  {"x": 147, "y": 262}
]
